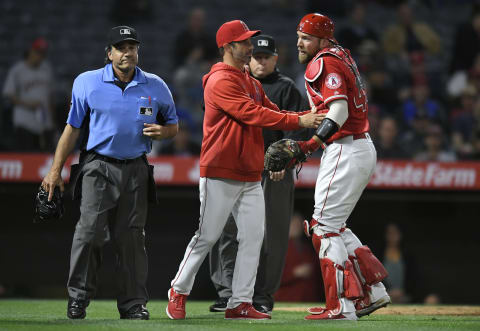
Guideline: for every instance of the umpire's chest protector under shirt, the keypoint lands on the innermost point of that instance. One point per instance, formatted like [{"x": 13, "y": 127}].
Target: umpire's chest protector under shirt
[{"x": 117, "y": 117}]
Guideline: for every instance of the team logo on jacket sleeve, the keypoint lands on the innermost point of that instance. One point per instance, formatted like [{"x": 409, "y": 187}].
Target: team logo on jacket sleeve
[{"x": 333, "y": 81}]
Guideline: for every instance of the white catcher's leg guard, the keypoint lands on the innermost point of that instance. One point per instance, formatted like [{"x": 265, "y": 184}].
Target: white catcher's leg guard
[
  {"x": 333, "y": 257},
  {"x": 376, "y": 295}
]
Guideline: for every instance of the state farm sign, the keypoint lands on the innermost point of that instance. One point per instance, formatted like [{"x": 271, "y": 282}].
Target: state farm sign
[
  {"x": 170, "y": 170},
  {"x": 424, "y": 175}
]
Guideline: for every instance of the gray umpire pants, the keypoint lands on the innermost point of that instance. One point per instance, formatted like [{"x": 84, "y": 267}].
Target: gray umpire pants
[
  {"x": 278, "y": 212},
  {"x": 113, "y": 207}
]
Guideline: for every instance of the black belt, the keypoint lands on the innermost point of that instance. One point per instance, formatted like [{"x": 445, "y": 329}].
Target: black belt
[{"x": 113, "y": 160}]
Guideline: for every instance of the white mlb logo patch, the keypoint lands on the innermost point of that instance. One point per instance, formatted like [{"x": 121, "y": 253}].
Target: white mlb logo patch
[
  {"x": 333, "y": 81},
  {"x": 125, "y": 31},
  {"x": 262, "y": 42}
]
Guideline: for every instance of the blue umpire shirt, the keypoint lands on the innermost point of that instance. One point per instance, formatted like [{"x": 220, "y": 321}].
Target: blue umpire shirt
[{"x": 116, "y": 116}]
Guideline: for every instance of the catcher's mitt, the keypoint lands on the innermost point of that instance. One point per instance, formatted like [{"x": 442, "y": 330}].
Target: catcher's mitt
[
  {"x": 283, "y": 154},
  {"x": 48, "y": 210}
]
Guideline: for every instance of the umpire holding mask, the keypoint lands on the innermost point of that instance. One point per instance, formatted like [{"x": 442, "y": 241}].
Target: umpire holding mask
[
  {"x": 119, "y": 109},
  {"x": 278, "y": 195}
]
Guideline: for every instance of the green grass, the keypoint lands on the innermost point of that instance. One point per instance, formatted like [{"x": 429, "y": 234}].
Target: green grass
[{"x": 103, "y": 315}]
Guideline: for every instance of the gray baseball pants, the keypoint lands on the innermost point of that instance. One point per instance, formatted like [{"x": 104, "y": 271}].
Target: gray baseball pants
[{"x": 113, "y": 208}]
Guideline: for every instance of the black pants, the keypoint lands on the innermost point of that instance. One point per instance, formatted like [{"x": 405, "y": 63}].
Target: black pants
[{"x": 113, "y": 206}]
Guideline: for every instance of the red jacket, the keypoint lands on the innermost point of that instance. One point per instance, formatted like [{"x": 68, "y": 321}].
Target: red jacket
[{"x": 236, "y": 110}]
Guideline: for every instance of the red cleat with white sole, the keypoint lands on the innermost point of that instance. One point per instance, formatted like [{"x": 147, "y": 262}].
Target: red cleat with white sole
[
  {"x": 245, "y": 311},
  {"x": 316, "y": 310},
  {"x": 329, "y": 315},
  {"x": 176, "y": 305}
]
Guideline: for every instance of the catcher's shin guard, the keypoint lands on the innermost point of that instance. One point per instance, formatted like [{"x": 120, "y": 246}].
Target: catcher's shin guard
[
  {"x": 364, "y": 301},
  {"x": 351, "y": 283},
  {"x": 333, "y": 285},
  {"x": 372, "y": 270}
]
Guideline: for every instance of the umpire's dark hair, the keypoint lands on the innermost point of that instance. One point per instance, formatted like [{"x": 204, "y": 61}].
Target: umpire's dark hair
[{"x": 106, "y": 60}]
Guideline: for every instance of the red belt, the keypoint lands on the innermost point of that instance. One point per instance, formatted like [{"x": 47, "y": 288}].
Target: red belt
[
  {"x": 355, "y": 137},
  {"x": 359, "y": 136}
]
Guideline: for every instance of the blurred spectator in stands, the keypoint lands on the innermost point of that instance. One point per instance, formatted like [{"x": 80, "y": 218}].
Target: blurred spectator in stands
[
  {"x": 195, "y": 52},
  {"x": 381, "y": 90},
  {"x": 374, "y": 114},
  {"x": 421, "y": 102},
  {"x": 474, "y": 73},
  {"x": 357, "y": 33},
  {"x": 466, "y": 42},
  {"x": 301, "y": 278},
  {"x": 187, "y": 82},
  {"x": 413, "y": 138},
  {"x": 387, "y": 144},
  {"x": 464, "y": 121},
  {"x": 465, "y": 53},
  {"x": 435, "y": 146},
  {"x": 404, "y": 282},
  {"x": 29, "y": 87},
  {"x": 194, "y": 44},
  {"x": 408, "y": 45},
  {"x": 461, "y": 78},
  {"x": 476, "y": 145},
  {"x": 182, "y": 144},
  {"x": 131, "y": 11},
  {"x": 408, "y": 35}
]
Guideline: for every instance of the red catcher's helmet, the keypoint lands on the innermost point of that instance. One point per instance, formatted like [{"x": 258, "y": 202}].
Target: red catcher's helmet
[{"x": 317, "y": 25}]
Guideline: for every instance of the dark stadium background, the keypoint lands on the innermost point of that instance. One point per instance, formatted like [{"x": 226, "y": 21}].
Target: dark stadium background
[{"x": 439, "y": 226}]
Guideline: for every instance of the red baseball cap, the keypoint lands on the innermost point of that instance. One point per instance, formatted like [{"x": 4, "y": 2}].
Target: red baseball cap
[
  {"x": 234, "y": 31},
  {"x": 39, "y": 44}
]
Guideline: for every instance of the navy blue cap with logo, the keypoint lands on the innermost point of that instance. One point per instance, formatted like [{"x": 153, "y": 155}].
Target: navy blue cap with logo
[
  {"x": 122, "y": 33},
  {"x": 264, "y": 44}
]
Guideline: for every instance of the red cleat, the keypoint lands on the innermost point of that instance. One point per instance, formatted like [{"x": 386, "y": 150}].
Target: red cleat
[
  {"x": 316, "y": 310},
  {"x": 328, "y": 315},
  {"x": 245, "y": 311},
  {"x": 176, "y": 305}
]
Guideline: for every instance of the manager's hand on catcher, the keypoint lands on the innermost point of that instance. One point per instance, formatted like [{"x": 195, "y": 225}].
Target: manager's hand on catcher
[
  {"x": 310, "y": 120},
  {"x": 283, "y": 154}
]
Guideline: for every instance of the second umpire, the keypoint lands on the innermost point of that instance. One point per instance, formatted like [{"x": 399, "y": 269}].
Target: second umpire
[{"x": 279, "y": 195}]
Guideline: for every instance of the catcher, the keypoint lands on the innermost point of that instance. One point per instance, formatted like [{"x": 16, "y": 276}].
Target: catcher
[{"x": 352, "y": 275}]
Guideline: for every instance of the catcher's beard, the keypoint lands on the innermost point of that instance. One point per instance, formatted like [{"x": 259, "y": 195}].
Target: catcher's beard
[{"x": 304, "y": 58}]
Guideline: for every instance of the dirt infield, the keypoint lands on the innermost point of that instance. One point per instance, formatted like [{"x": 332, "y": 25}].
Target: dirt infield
[{"x": 414, "y": 310}]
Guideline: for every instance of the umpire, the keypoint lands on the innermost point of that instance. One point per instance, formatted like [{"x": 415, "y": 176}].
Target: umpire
[
  {"x": 279, "y": 195},
  {"x": 120, "y": 108}
]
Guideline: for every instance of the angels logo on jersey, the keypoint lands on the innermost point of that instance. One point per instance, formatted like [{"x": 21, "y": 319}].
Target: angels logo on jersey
[{"x": 333, "y": 81}]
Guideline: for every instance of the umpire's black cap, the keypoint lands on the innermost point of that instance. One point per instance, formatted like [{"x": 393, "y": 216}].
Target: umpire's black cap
[
  {"x": 122, "y": 33},
  {"x": 264, "y": 44}
]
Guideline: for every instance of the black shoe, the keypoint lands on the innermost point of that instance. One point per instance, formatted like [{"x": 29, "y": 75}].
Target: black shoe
[
  {"x": 263, "y": 308},
  {"x": 219, "y": 305},
  {"x": 136, "y": 312},
  {"x": 76, "y": 308}
]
